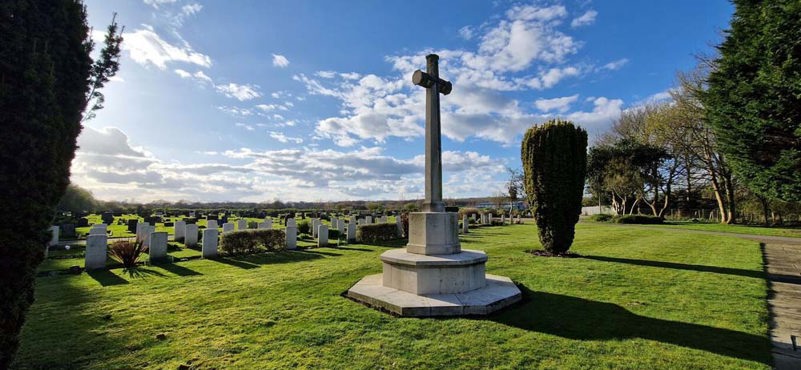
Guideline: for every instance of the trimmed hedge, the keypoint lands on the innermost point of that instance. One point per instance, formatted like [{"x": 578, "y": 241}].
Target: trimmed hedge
[
  {"x": 376, "y": 232},
  {"x": 602, "y": 217},
  {"x": 252, "y": 241},
  {"x": 639, "y": 219}
]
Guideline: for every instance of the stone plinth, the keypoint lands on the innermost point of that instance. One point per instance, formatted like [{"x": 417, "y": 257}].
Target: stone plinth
[
  {"x": 433, "y": 233},
  {"x": 422, "y": 274},
  {"x": 499, "y": 292}
]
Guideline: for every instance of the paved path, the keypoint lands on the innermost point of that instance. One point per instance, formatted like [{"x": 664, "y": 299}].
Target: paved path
[{"x": 782, "y": 258}]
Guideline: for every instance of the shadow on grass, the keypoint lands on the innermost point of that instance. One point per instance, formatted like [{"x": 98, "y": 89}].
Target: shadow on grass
[
  {"x": 256, "y": 260},
  {"x": 140, "y": 272},
  {"x": 178, "y": 269},
  {"x": 106, "y": 277},
  {"x": 346, "y": 248},
  {"x": 681, "y": 266},
  {"x": 582, "y": 319}
]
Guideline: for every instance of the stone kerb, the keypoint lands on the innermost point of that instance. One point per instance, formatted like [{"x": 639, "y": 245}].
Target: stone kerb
[
  {"x": 209, "y": 246},
  {"x": 96, "y": 251}
]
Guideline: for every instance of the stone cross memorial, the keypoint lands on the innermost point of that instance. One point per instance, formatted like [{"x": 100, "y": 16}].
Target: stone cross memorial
[{"x": 433, "y": 276}]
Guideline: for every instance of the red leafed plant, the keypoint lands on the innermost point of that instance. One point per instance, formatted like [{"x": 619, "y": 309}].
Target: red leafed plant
[{"x": 127, "y": 252}]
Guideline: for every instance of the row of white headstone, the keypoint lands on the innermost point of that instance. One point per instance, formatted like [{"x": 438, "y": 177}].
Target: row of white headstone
[{"x": 156, "y": 242}]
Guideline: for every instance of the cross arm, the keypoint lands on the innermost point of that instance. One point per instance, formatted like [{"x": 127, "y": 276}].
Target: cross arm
[{"x": 423, "y": 79}]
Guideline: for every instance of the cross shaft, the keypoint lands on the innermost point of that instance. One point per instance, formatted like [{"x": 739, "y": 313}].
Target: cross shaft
[{"x": 434, "y": 86}]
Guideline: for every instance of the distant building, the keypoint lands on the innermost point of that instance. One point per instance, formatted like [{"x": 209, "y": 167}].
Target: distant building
[{"x": 519, "y": 205}]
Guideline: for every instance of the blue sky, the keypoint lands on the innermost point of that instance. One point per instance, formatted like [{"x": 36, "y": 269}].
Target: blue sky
[{"x": 313, "y": 100}]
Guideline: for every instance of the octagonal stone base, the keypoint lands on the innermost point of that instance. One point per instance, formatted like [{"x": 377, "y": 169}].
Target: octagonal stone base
[
  {"x": 499, "y": 292},
  {"x": 439, "y": 274}
]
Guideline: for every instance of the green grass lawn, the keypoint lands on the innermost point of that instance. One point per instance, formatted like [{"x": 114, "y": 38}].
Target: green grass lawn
[
  {"x": 737, "y": 229},
  {"x": 637, "y": 299}
]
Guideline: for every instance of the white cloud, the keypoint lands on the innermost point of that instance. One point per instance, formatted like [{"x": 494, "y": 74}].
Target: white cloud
[
  {"x": 240, "y": 92},
  {"x": 146, "y": 47},
  {"x": 156, "y": 3},
  {"x": 191, "y": 9},
  {"x": 198, "y": 76},
  {"x": 615, "y": 65},
  {"x": 585, "y": 19},
  {"x": 466, "y": 32},
  {"x": 280, "y": 61},
  {"x": 280, "y": 136},
  {"x": 558, "y": 104}
]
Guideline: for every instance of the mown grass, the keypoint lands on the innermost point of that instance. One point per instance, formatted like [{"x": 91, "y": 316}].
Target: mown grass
[
  {"x": 636, "y": 299},
  {"x": 738, "y": 229}
]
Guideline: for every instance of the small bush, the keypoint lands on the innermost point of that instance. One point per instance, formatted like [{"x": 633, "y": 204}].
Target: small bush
[
  {"x": 127, "y": 252},
  {"x": 252, "y": 241},
  {"x": 469, "y": 212},
  {"x": 304, "y": 227},
  {"x": 639, "y": 219},
  {"x": 253, "y": 225},
  {"x": 376, "y": 232},
  {"x": 601, "y": 217}
]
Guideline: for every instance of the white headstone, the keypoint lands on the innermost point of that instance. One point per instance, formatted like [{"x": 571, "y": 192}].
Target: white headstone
[
  {"x": 209, "y": 248},
  {"x": 98, "y": 229},
  {"x": 465, "y": 225},
  {"x": 322, "y": 236},
  {"x": 228, "y": 227},
  {"x": 352, "y": 229},
  {"x": 315, "y": 222},
  {"x": 242, "y": 224},
  {"x": 489, "y": 219},
  {"x": 158, "y": 245},
  {"x": 211, "y": 224},
  {"x": 147, "y": 231},
  {"x": 190, "y": 240},
  {"x": 368, "y": 220},
  {"x": 399, "y": 224},
  {"x": 96, "y": 251},
  {"x": 53, "y": 235},
  {"x": 503, "y": 219},
  {"x": 291, "y": 234},
  {"x": 383, "y": 219},
  {"x": 180, "y": 230},
  {"x": 341, "y": 226}
]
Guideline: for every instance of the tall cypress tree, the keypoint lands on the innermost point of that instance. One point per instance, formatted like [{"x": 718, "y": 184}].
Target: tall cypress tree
[
  {"x": 45, "y": 77},
  {"x": 554, "y": 159},
  {"x": 754, "y": 97}
]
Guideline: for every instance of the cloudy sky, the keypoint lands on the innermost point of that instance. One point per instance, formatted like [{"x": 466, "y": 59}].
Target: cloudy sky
[{"x": 312, "y": 100}]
